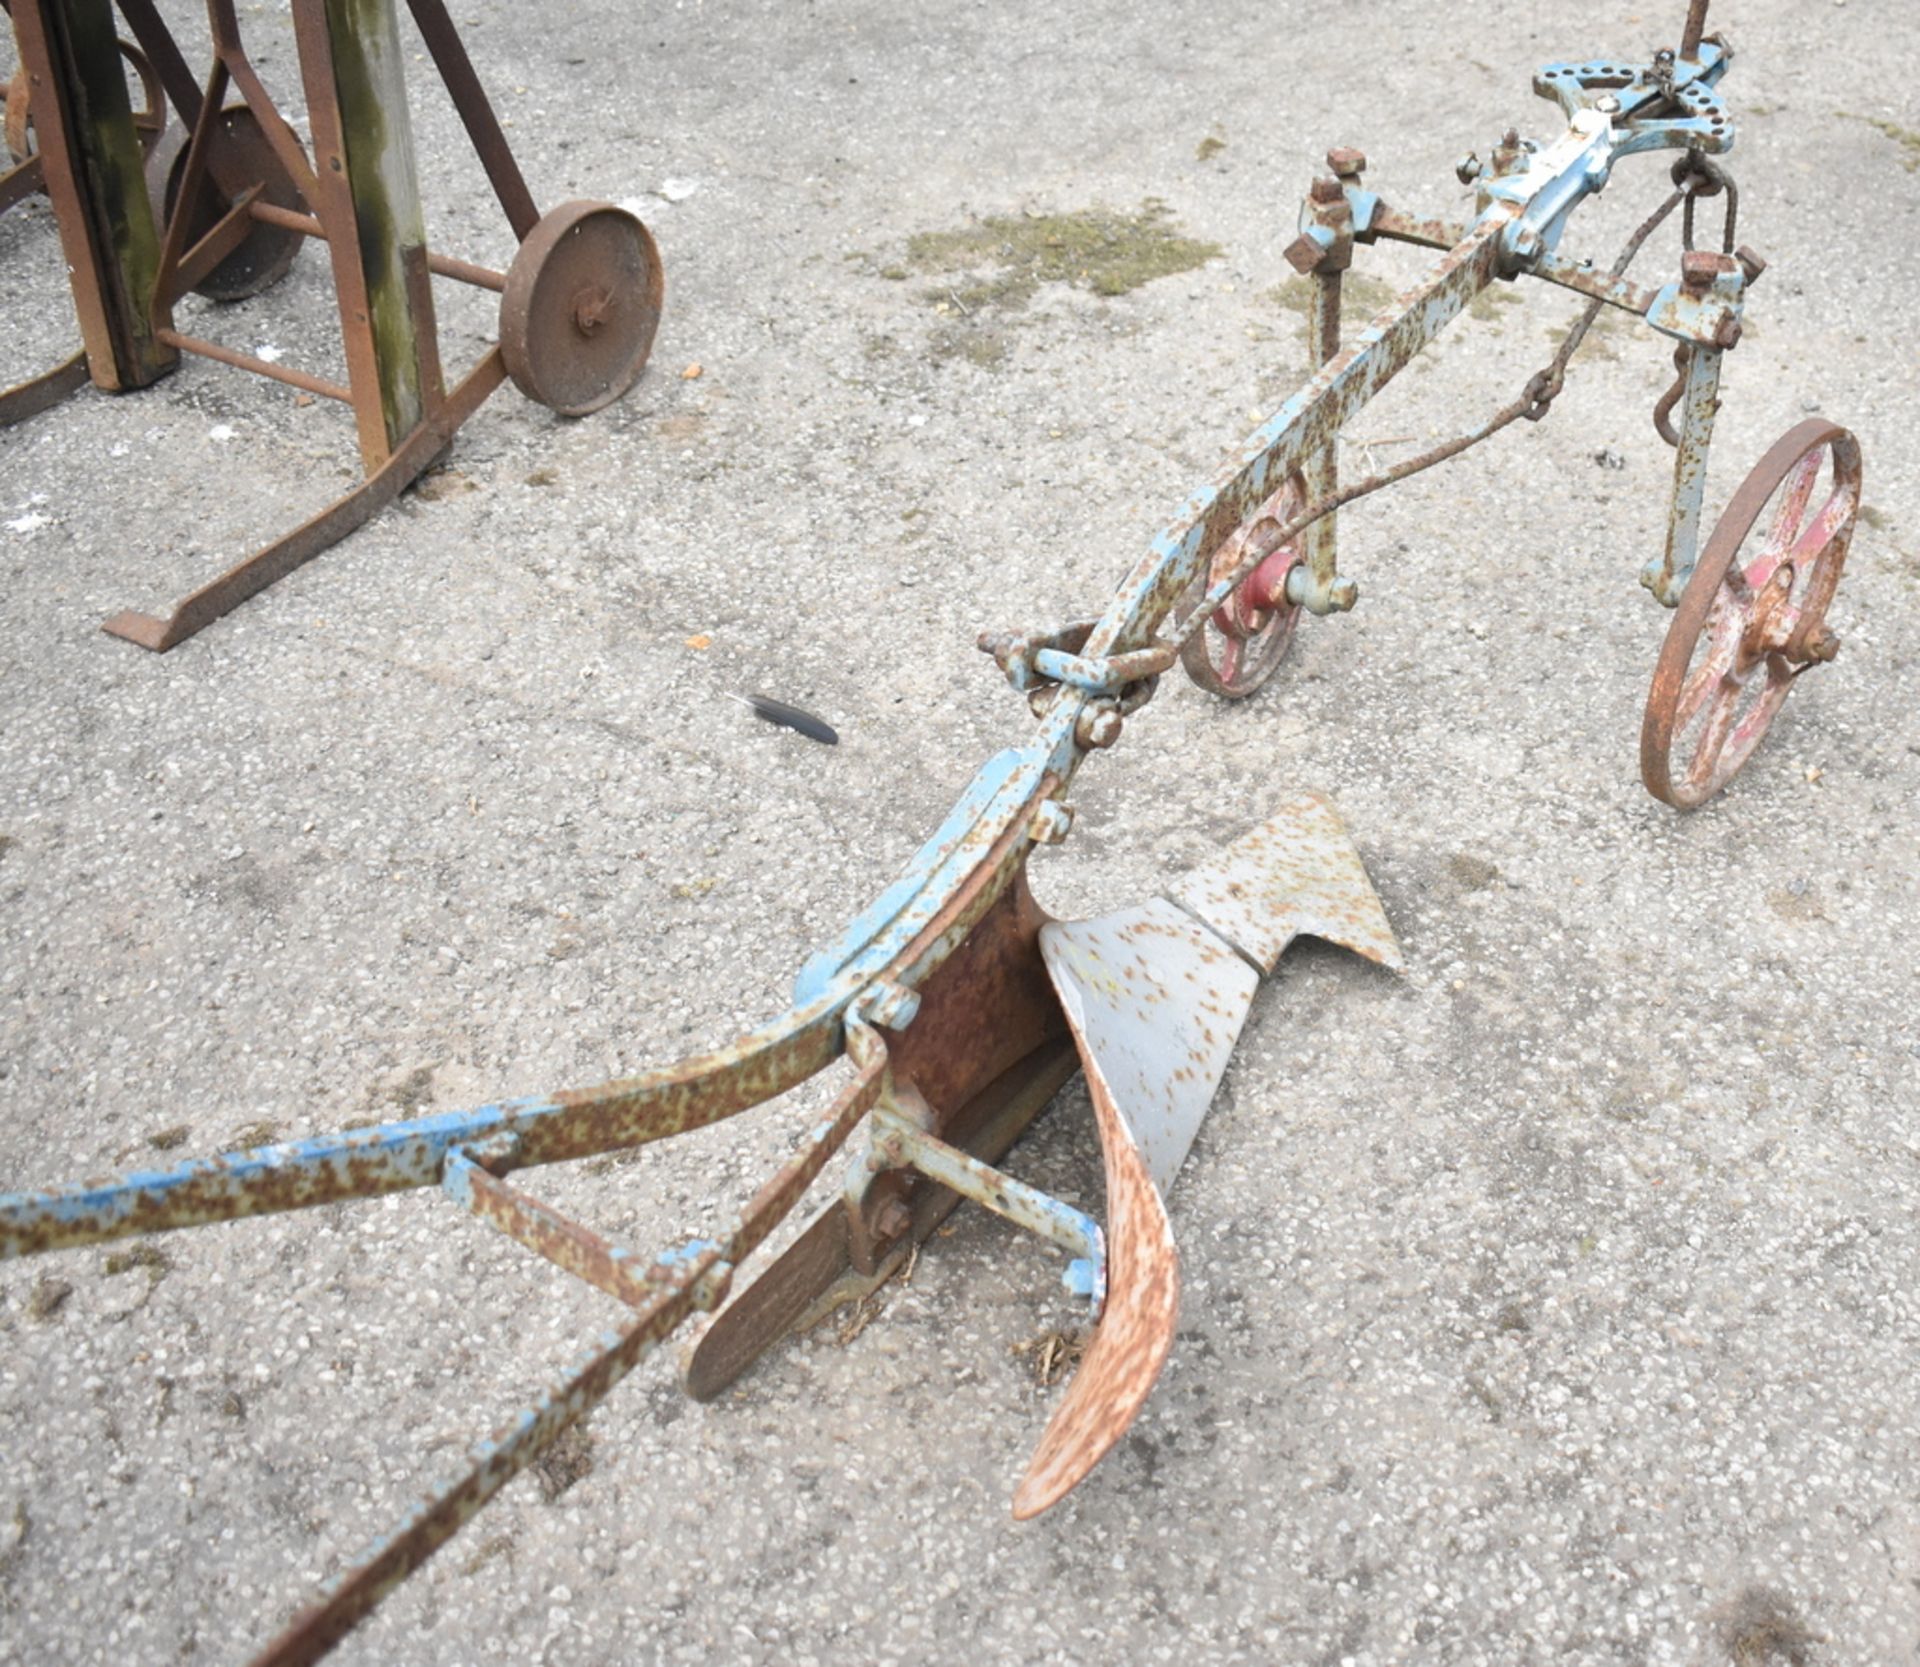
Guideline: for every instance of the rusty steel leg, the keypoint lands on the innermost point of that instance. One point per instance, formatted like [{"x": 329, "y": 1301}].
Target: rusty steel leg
[
  {"x": 43, "y": 392},
  {"x": 1320, "y": 468},
  {"x": 1667, "y": 577},
  {"x": 369, "y": 202},
  {"x": 94, "y": 169},
  {"x": 476, "y": 114},
  {"x": 325, "y": 530}
]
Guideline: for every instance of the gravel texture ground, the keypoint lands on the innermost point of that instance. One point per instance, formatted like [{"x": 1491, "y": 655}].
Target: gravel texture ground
[{"x": 1552, "y": 1303}]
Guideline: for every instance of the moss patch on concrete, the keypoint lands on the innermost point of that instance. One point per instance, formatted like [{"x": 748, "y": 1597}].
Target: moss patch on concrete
[
  {"x": 1002, "y": 261},
  {"x": 1907, "y": 138},
  {"x": 1360, "y": 297}
]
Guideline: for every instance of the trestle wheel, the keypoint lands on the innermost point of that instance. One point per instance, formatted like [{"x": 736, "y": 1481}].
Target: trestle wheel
[
  {"x": 266, "y": 254},
  {"x": 581, "y": 305},
  {"x": 1745, "y": 630}
]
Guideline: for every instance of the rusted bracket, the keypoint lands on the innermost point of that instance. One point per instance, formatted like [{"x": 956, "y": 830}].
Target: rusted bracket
[{"x": 902, "y": 1139}]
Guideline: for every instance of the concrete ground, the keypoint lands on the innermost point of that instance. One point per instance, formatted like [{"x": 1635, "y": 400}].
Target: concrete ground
[{"x": 1552, "y": 1303}]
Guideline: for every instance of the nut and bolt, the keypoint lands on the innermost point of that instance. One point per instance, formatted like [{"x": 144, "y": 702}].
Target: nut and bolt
[
  {"x": 1346, "y": 163},
  {"x": 1698, "y": 269},
  {"x": 1326, "y": 191},
  {"x": 1342, "y": 594},
  {"x": 1820, "y": 644},
  {"x": 1467, "y": 169},
  {"x": 1607, "y": 104},
  {"x": 1727, "y": 334},
  {"x": 1752, "y": 264},
  {"x": 893, "y": 1220},
  {"x": 1098, "y": 727}
]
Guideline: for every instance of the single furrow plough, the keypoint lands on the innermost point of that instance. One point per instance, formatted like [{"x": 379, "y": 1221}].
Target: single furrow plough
[{"x": 961, "y": 1007}]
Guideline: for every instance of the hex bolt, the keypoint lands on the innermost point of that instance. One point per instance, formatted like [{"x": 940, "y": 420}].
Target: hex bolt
[
  {"x": 1727, "y": 334},
  {"x": 893, "y": 1220},
  {"x": 1752, "y": 264},
  {"x": 1820, "y": 644},
  {"x": 1698, "y": 269},
  {"x": 1526, "y": 243},
  {"x": 1099, "y": 727},
  {"x": 1326, "y": 191},
  {"x": 1347, "y": 163}
]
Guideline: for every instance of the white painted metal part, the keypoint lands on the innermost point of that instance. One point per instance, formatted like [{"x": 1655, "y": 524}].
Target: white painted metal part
[
  {"x": 1158, "y": 1001},
  {"x": 1158, "y": 993},
  {"x": 1297, "y": 875}
]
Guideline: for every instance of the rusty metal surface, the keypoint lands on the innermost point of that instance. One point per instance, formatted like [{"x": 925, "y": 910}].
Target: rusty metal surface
[
  {"x": 493, "y": 1463},
  {"x": 593, "y": 1260},
  {"x": 815, "y": 1274},
  {"x": 242, "y": 181},
  {"x": 1745, "y": 631},
  {"x": 1244, "y": 639},
  {"x": 945, "y": 959},
  {"x": 1297, "y": 874},
  {"x": 449, "y": 54},
  {"x": 693, "y": 1277},
  {"x": 580, "y": 308},
  {"x": 43, "y": 392},
  {"x": 91, "y": 160},
  {"x": 182, "y": 187},
  {"x": 224, "y": 594},
  {"x": 1135, "y": 1334},
  {"x": 1304, "y": 424},
  {"x": 898, "y": 1139}
]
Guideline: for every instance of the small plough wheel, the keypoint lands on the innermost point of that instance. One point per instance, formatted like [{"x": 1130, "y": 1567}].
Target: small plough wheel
[
  {"x": 1745, "y": 630},
  {"x": 266, "y": 255},
  {"x": 580, "y": 308},
  {"x": 1237, "y": 649}
]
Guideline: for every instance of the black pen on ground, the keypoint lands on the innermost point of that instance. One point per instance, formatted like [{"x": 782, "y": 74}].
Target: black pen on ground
[{"x": 790, "y": 717}]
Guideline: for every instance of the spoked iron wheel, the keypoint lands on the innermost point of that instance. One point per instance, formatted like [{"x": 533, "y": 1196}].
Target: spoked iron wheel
[
  {"x": 1745, "y": 630},
  {"x": 1246, "y": 638},
  {"x": 581, "y": 306}
]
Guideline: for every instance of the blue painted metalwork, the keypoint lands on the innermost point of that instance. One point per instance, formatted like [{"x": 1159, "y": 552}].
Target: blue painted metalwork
[
  {"x": 1628, "y": 88},
  {"x": 898, "y": 1142},
  {"x": 1708, "y": 314},
  {"x": 1081, "y": 680},
  {"x": 1667, "y": 576}
]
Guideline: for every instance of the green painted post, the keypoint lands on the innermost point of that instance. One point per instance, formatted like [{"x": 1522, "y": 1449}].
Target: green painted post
[
  {"x": 363, "y": 143},
  {"x": 94, "y": 169}
]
